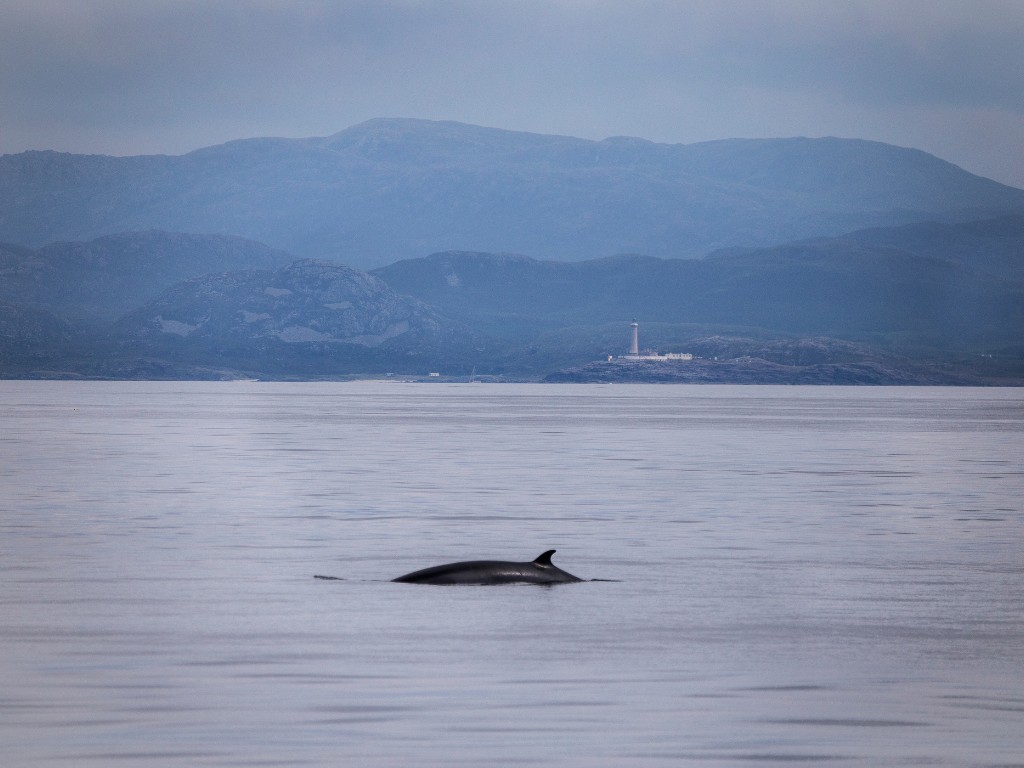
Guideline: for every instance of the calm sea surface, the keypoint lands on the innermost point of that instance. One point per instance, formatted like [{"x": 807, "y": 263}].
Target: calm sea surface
[{"x": 807, "y": 576}]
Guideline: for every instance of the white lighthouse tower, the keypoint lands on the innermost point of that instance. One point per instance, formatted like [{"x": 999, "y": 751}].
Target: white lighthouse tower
[{"x": 634, "y": 350}]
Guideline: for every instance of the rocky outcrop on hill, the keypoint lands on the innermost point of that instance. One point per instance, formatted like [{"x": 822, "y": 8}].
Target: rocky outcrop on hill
[
  {"x": 311, "y": 317},
  {"x": 307, "y": 302}
]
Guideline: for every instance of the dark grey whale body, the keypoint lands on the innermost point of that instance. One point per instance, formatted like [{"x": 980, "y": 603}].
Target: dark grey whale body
[{"x": 540, "y": 571}]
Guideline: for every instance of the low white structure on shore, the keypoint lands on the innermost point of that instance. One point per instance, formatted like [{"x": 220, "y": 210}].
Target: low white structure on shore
[{"x": 635, "y": 353}]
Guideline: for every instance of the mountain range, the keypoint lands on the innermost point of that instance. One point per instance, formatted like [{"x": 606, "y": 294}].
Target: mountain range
[
  {"x": 822, "y": 302},
  {"x": 392, "y": 189},
  {"x": 807, "y": 260}
]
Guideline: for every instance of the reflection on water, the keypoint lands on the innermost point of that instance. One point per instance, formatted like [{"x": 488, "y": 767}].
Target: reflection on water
[{"x": 807, "y": 575}]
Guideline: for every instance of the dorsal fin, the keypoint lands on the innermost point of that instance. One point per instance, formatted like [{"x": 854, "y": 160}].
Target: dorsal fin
[{"x": 545, "y": 559}]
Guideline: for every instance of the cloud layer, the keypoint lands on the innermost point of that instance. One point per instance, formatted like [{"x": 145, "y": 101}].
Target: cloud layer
[{"x": 123, "y": 77}]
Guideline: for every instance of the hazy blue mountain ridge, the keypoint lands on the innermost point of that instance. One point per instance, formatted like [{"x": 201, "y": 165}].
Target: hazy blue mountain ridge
[
  {"x": 213, "y": 305},
  {"x": 391, "y": 189},
  {"x": 831, "y": 247},
  {"x": 991, "y": 245},
  {"x": 29, "y": 335},
  {"x": 99, "y": 280},
  {"x": 835, "y": 287}
]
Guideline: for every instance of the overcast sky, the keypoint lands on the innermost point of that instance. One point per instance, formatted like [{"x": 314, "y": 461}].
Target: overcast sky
[{"x": 167, "y": 76}]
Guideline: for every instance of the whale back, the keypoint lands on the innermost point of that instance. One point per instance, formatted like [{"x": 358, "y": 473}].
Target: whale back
[{"x": 539, "y": 571}]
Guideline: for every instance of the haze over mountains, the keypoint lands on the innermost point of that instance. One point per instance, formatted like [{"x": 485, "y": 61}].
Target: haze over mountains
[
  {"x": 392, "y": 189},
  {"x": 98, "y": 281},
  {"x": 822, "y": 260},
  {"x": 828, "y": 286}
]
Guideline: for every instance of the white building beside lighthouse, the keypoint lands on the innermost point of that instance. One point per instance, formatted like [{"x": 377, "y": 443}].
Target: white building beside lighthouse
[{"x": 634, "y": 349}]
